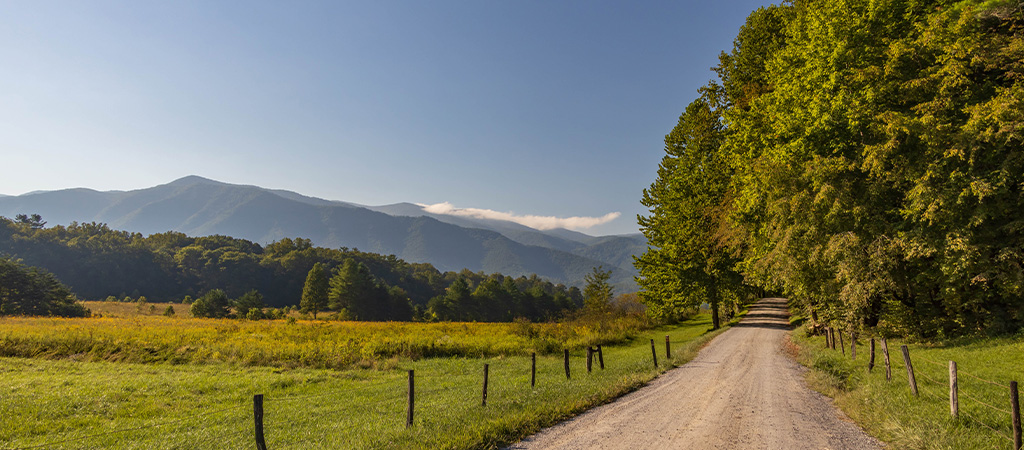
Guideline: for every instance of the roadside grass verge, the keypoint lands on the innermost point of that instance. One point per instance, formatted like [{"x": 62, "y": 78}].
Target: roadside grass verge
[
  {"x": 888, "y": 410},
  {"x": 209, "y": 406}
]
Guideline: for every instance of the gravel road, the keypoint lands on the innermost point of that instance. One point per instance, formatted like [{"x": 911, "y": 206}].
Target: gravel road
[{"x": 741, "y": 392}]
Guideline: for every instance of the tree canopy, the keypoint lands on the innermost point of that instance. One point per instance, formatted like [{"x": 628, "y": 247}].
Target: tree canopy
[{"x": 867, "y": 161}]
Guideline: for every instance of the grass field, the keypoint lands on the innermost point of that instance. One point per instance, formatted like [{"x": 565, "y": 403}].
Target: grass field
[
  {"x": 888, "y": 410},
  {"x": 132, "y": 309},
  {"x": 103, "y": 404},
  {"x": 304, "y": 343}
]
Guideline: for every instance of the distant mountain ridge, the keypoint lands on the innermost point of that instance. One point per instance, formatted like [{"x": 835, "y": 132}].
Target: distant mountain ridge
[{"x": 198, "y": 206}]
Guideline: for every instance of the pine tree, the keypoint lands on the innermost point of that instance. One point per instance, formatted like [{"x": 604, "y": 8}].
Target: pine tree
[{"x": 314, "y": 292}]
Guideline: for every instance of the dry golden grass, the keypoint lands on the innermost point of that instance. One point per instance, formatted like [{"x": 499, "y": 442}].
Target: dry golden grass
[{"x": 288, "y": 343}]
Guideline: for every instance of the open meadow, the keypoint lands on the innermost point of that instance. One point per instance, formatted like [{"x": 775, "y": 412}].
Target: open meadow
[{"x": 155, "y": 382}]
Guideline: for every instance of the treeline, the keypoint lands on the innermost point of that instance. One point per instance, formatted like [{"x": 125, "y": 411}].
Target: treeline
[
  {"x": 864, "y": 159},
  {"x": 97, "y": 262}
]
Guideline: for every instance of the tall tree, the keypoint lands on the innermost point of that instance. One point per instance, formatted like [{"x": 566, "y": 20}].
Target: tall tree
[
  {"x": 353, "y": 289},
  {"x": 686, "y": 264},
  {"x": 597, "y": 293},
  {"x": 314, "y": 291}
]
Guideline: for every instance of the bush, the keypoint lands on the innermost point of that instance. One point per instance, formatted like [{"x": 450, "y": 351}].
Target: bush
[{"x": 214, "y": 304}]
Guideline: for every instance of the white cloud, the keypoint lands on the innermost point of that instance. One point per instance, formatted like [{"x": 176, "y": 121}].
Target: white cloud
[{"x": 538, "y": 222}]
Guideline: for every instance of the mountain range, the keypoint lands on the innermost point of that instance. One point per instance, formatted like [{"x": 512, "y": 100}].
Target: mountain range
[{"x": 198, "y": 206}]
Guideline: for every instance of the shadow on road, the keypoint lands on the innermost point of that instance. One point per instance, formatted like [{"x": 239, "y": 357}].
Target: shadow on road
[
  {"x": 766, "y": 315},
  {"x": 768, "y": 325}
]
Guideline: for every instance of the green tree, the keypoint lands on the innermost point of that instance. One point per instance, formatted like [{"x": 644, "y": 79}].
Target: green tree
[
  {"x": 354, "y": 290},
  {"x": 597, "y": 293},
  {"x": 33, "y": 292},
  {"x": 314, "y": 292},
  {"x": 249, "y": 301},
  {"x": 169, "y": 312},
  {"x": 214, "y": 304},
  {"x": 35, "y": 221},
  {"x": 686, "y": 263}
]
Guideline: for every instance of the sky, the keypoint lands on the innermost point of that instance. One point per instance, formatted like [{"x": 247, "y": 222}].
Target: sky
[{"x": 550, "y": 110}]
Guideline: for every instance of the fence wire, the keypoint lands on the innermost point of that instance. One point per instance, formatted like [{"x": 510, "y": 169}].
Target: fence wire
[{"x": 125, "y": 430}]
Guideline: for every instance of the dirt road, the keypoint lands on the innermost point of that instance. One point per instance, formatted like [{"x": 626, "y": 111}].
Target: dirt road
[{"x": 741, "y": 392}]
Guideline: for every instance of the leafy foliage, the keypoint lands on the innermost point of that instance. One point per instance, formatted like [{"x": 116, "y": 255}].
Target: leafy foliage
[
  {"x": 872, "y": 166},
  {"x": 29, "y": 291}
]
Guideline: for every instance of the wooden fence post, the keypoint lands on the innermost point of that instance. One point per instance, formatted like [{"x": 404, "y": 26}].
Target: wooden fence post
[
  {"x": 910, "y": 369},
  {"x": 590, "y": 358},
  {"x": 954, "y": 395},
  {"x": 853, "y": 345},
  {"x": 842, "y": 344},
  {"x": 654, "y": 353},
  {"x": 600, "y": 356},
  {"x": 257, "y": 413},
  {"x": 533, "y": 370},
  {"x": 1015, "y": 410},
  {"x": 566, "y": 364},
  {"x": 888, "y": 368},
  {"x": 668, "y": 348},
  {"x": 486, "y": 366},
  {"x": 828, "y": 342},
  {"x": 871, "y": 359},
  {"x": 831, "y": 338},
  {"x": 412, "y": 399}
]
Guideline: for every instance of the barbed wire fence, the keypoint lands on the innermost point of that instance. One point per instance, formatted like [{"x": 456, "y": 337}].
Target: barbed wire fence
[
  {"x": 1003, "y": 422},
  {"x": 275, "y": 422}
]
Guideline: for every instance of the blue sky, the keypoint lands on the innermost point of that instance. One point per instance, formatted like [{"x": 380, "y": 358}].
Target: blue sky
[{"x": 542, "y": 108}]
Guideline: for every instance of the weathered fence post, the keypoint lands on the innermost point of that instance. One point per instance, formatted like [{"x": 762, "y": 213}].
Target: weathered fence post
[
  {"x": 842, "y": 344},
  {"x": 888, "y": 368},
  {"x": 910, "y": 369},
  {"x": 871, "y": 359},
  {"x": 257, "y": 413},
  {"x": 654, "y": 353},
  {"x": 533, "y": 370},
  {"x": 831, "y": 338},
  {"x": 486, "y": 366},
  {"x": 954, "y": 395},
  {"x": 412, "y": 399},
  {"x": 853, "y": 345},
  {"x": 600, "y": 356},
  {"x": 828, "y": 341},
  {"x": 668, "y": 348},
  {"x": 566, "y": 364},
  {"x": 1015, "y": 410},
  {"x": 590, "y": 358}
]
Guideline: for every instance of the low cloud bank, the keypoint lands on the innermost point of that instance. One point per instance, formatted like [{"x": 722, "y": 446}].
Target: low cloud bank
[{"x": 538, "y": 222}]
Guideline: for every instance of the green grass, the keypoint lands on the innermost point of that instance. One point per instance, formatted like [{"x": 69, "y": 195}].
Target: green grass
[
  {"x": 209, "y": 406},
  {"x": 888, "y": 409}
]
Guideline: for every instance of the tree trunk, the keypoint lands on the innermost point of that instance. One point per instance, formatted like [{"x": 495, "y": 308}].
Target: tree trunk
[{"x": 715, "y": 321}]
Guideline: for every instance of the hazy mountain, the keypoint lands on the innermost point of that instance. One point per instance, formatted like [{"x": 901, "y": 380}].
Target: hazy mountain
[
  {"x": 199, "y": 206},
  {"x": 615, "y": 252}
]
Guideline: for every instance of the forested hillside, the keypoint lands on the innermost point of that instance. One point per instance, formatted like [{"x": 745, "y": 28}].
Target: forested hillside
[
  {"x": 97, "y": 262},
  {"x": 865, "y": 159},
  {"x": 198, "y": 206}
]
